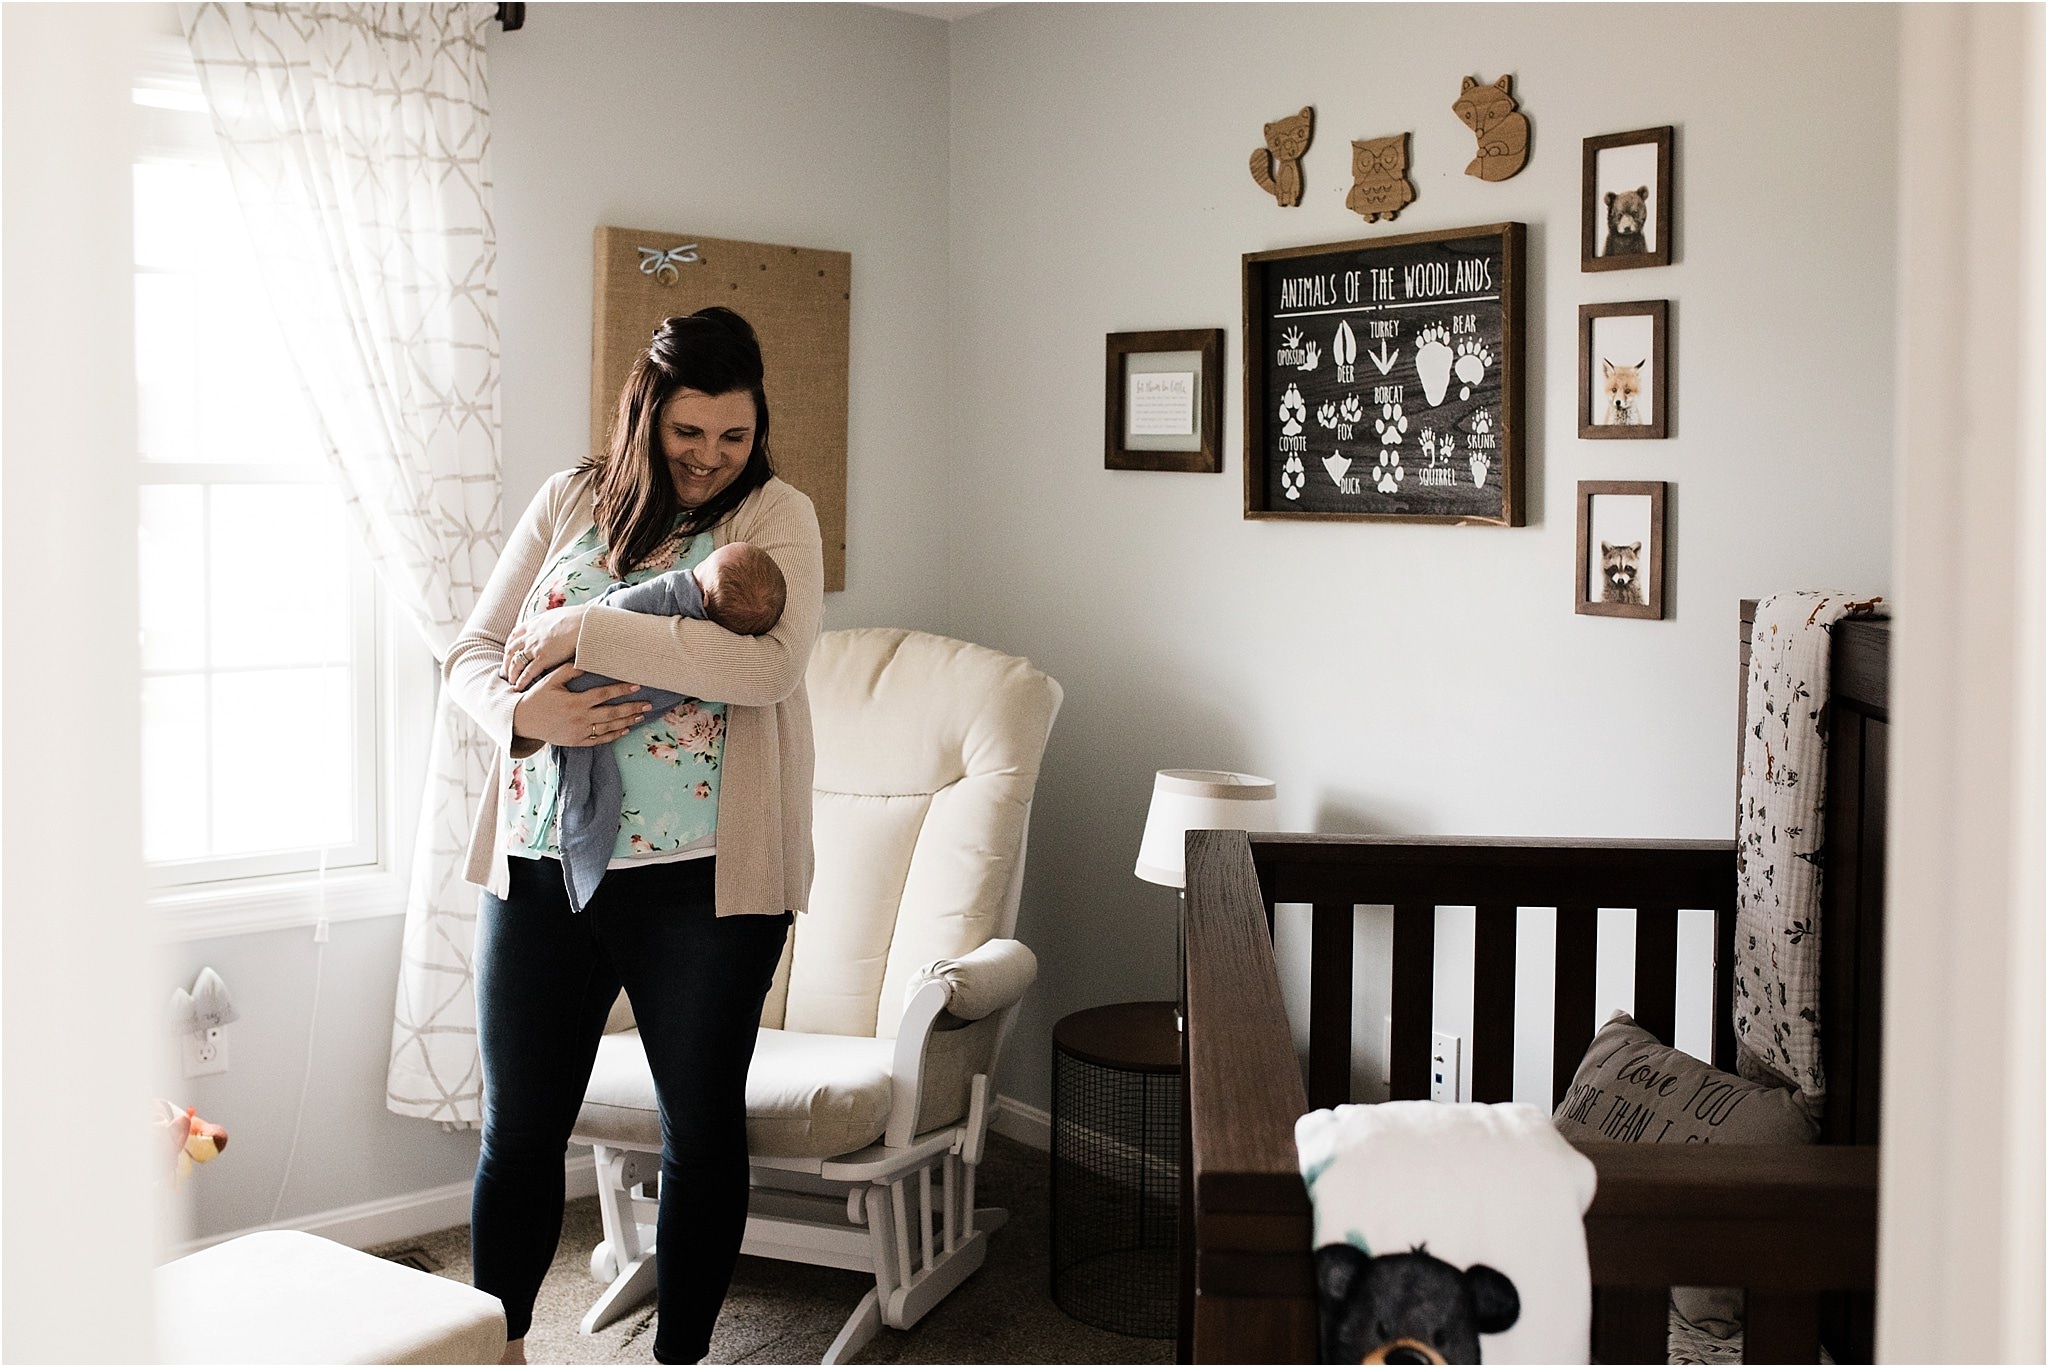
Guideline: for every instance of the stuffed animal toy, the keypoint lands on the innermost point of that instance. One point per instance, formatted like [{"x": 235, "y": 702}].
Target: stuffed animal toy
[
  {"x": 192, "y": 1141},
  {"x": 1407, "y": 1307}
]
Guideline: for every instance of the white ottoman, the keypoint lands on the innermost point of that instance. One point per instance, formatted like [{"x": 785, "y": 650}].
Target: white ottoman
[{"x": 284, "y": 1296}]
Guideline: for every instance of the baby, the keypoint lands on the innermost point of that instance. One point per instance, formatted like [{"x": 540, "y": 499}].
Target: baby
[{"x": 739, "y": 587}]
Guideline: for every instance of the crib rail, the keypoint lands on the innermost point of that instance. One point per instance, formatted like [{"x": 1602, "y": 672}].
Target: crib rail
[{"x": 1788, "y": 1224}]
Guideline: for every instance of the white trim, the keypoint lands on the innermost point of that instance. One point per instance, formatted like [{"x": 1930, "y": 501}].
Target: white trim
[
  {"x": 1024, "y": 1123},
  {"x": 412, "y": 1215}
]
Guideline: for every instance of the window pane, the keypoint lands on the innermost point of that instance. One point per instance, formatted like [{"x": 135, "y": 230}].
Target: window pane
[
  {"x": 173, "y": 564},
  {"x": 279, "y": 576},
  {"x": 283, "y": 752},
  {"x": 174, "y": 769},
  {"x": 186, "y": 218},
  {"x": 251, "y": 405},
  {"x": 166, "y": 366}
]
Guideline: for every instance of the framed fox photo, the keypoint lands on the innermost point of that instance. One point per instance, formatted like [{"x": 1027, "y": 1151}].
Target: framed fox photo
[
  {"x": 1625, "y": 216},
  {"x": 1622, "y": 390},
  {"x": 1620, "y": 570},
  {"x": 1383, "y": 379}
]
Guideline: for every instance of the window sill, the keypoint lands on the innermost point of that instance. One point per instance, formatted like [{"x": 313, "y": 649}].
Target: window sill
[{"x": 275, "y": 904}]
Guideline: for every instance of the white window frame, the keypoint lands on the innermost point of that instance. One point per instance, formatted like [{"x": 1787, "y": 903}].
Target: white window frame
[{"x": 396, "y": 677}]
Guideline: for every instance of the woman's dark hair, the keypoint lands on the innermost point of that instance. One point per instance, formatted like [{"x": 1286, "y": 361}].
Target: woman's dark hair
[{"x": 713, "y": 351}]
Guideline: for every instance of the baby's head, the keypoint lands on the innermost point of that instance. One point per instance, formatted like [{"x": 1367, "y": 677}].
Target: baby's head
[{"x": 743, "y": 588}]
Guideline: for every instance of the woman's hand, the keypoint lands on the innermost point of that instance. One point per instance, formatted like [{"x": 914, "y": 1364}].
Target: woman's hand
[
  {"x": 540, "y": 643},
  {"x": 554, "y": 713}
]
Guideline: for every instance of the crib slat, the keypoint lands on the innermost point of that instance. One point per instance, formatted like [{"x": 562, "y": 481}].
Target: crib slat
[
  {"x": 1329, "y": 1006},
  {"x": 1657, "y": 970},
  {"x": 1724, "y": 986},
  {"x": 1493, "y": 1003},
  {"x": 1578, "y": 945},
  {"x": 1414, "y": 984},
  {"x": 1780, "y": 1326},
  {"x": 1630, "y": 1324}
]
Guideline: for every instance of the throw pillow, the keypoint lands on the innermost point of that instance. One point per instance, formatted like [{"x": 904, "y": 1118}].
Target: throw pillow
[{"x": 1633, "y": 1089}]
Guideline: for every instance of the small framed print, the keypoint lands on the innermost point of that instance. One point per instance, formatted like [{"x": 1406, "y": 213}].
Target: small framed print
[
  {"x": 1620, "y": 569},
  {"x": 1163, "y": 401},
  {"x": 1623, "y": 390},
  {"x": 1625, "y": 214}
]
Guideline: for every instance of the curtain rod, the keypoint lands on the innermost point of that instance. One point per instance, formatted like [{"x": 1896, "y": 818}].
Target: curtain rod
[{"x": 512, "y": 16}]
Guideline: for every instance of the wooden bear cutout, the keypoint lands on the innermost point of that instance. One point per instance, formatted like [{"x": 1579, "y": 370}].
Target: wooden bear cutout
[
  {"x": 1503, "y": 133},
  {"x": 1379, "y": 178},
  {"x": 1277, "y": 166}
]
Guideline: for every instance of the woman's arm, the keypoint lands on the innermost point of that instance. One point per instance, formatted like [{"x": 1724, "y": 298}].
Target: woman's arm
[
  {"x": 705, "y": 660},
  {"x": 474, "y": 669}
]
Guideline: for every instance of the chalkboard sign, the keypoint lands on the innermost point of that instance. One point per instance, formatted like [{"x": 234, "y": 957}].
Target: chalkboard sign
[{"x": 1383, "y": 379}]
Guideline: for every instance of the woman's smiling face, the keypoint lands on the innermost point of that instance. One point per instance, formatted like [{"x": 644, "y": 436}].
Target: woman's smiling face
[{"x": 706, "y": 439}]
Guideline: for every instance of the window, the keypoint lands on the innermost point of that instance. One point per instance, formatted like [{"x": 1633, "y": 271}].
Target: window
[{"x": 261, "y": 759}]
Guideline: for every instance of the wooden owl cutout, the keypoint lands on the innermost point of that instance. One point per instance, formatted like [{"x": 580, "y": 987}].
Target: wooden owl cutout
[
  {"x": 1379, "y": 178},
  {"x": 1277, "y": 166},
  {"x": 1489, "y": 111}
]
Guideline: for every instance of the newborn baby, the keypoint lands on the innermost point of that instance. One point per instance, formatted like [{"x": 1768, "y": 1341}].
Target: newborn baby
[{"x": 739, "y": 587}]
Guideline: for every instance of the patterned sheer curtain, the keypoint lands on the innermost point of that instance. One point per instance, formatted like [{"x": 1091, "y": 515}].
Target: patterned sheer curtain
[{"x": 358, "y": 141}]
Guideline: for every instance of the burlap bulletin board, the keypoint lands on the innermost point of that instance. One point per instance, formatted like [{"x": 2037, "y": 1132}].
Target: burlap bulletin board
[{"x": 798, "y": 301}]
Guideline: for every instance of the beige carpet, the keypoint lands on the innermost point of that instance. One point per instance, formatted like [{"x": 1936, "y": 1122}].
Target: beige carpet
[{"x": 788, "y": 1312}]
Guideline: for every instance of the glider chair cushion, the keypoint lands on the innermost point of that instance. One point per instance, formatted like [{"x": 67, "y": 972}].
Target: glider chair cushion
[{"x": 883, "y": 1027}]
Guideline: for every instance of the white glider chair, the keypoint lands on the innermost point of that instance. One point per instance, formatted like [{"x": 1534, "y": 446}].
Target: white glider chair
[{"x": 869, "y": 1097}]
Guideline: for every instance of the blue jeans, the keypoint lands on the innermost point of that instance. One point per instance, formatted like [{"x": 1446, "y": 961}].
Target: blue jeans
[{"x": 546, "y": 978}]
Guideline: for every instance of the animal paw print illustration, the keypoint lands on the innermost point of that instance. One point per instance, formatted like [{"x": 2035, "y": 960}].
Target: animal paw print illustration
[
  {"x": 1428, "y": 443},
  {"x": 1292, "y": 476},
  {"x": 1433, "y": 361},
  {"x": 1392, "y": 424},
  {"x": 1473, "y": 359},
  {"x": 1312, "y": 357},
  {"x": 1388, "y": 476},
  {"x": 1482, "y": 424},
  {"x": 1291, "y": 339},
  {"x": 1293, "y": 412},
  {"x": 1327, "y": 414},
  {"x": 1352, "y": 411}
]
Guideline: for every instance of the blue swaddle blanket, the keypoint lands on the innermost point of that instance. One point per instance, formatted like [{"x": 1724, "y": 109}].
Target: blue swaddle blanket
[{"x": 589, "y": 790}]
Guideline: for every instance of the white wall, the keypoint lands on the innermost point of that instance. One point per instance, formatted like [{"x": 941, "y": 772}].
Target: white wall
[
  {"x": 811, "y": 125},
  {"x": 1392, "y": 678}
]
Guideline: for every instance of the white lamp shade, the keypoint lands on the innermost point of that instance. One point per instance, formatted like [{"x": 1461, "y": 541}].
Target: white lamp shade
[{"x": 1186, "y": 800}]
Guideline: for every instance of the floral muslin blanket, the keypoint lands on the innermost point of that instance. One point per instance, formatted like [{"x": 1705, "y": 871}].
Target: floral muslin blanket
[{"x": 1780, "y": 840}]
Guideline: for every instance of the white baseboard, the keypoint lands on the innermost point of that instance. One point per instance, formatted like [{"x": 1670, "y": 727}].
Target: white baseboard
[
  {"x": 418, "y": 1213},
  {"x": 408, "y": 1216},
  {"x": 1024, "y": 1123}
]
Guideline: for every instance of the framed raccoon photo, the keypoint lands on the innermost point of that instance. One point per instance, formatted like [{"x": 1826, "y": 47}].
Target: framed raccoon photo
[
  {"x": 1621, "y": 549},
  {"x": 1622, "y": 372}
]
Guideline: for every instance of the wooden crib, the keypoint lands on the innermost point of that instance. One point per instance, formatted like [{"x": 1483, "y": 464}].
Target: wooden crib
[{"x": 1796, "y": 1226}]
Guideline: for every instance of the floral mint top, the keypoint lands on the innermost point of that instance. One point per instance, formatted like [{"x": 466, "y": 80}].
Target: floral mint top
[{"x": 668, "y": 763}]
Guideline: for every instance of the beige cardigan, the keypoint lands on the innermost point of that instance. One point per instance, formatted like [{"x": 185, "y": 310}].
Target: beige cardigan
[{"x": 764, "y": 804}]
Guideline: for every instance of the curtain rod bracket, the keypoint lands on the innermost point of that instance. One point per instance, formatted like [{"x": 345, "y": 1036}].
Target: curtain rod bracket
[{"x": 512, "y": 16}]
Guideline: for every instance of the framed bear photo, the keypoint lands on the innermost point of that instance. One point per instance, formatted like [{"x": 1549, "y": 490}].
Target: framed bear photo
[
  {"x": 1626, "y": 213},
  {"x": 1620, "y": 566},
  {"x": 1623, "y": 393}
]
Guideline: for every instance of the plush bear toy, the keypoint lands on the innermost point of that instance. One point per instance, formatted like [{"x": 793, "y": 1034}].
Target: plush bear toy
[
  {"x": 192, "y": 1141},
  {"x": 1407, "y": 1307}
]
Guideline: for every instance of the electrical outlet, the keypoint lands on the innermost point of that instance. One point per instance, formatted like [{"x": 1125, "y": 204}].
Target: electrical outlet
[
  {"x": 206, "y": 1051},
  {"x": 1443, "y": 1067}
]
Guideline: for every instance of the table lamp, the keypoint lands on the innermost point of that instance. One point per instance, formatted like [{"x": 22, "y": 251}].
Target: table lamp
[{"x": 1186, "y": 800}]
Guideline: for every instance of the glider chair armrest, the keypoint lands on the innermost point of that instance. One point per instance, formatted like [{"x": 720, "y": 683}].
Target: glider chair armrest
[{"x": 954, "y": 1017}]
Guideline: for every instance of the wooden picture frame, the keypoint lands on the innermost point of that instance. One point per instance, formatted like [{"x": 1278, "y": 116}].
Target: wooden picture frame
[
  {"x": 1610, "y": 509},
  {"x": 1171, "y": 422},
  {"x": 1624, "y": 390},
  {"x": 1383, "y": 379},
  {"x": 1628, "y": 201}
]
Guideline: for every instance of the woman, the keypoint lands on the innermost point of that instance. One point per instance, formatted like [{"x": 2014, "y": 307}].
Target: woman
[{"x": 714, "y": 847}]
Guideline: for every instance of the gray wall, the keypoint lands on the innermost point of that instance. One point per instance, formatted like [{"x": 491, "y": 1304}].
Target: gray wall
[
  {"x": 1019, "y": 183},
  {"x": 1391, "y": 678}
]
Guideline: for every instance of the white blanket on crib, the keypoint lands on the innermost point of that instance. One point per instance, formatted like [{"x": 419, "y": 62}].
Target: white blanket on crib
[{"x": 1491, "y": 1184}]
